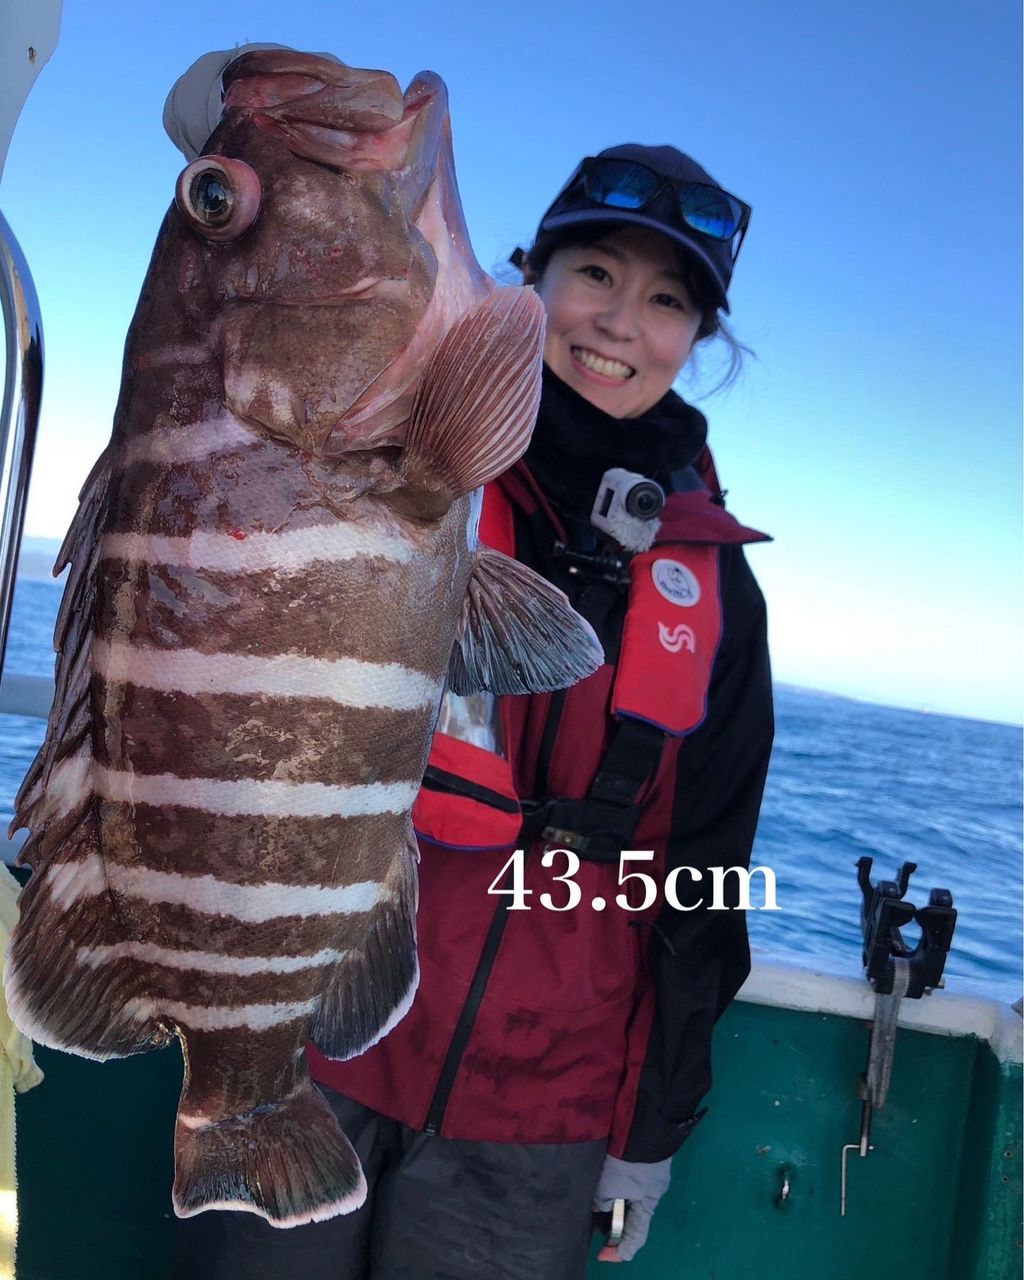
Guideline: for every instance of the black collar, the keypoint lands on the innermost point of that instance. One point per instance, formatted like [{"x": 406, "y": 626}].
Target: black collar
[{"x": 575, "y": 443}]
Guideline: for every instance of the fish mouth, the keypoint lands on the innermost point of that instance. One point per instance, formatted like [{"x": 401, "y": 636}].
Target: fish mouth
[{"x": 355, "y": 120}]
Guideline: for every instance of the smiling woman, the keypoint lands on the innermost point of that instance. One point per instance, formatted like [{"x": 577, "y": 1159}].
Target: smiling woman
[{"x": 558, "y": 1059}]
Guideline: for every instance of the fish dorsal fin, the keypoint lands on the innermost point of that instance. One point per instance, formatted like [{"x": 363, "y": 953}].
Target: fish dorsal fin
[
  {"x": 474, "y": 410},
  {"x": 518, "y": 633}
]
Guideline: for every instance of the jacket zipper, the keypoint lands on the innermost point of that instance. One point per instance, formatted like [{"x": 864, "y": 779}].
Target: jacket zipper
[
  {"x": 495, "y": 933},
  {"x": 467, "y": 1017}
]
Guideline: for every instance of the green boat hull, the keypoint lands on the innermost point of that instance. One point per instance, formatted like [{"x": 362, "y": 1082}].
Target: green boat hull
[{"x": 755, "y": 1192}]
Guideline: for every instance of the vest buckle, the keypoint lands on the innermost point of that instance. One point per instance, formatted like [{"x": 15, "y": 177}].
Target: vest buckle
[{"x": 561, "y": 838}]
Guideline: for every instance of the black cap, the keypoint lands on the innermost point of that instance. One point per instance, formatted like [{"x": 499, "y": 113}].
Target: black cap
[{"x": 714, "y": 256}]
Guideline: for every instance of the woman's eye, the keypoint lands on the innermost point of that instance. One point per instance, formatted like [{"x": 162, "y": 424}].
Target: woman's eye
[
  {"x": 594, "y": 272},
  {"x": 671, "y": 301}
]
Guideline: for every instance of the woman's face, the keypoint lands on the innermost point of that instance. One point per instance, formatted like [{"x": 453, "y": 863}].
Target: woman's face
[{"x": 621, "y": 323}]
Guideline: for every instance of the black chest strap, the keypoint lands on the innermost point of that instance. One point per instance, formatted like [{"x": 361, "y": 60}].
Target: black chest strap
[{"x": 602, "y": 824}]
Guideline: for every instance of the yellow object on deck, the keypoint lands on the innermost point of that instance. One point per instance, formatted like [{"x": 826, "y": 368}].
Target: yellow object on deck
[{"x": 18, "y": 1071}]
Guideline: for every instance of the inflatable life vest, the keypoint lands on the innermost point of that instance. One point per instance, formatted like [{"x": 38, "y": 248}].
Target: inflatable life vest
[{"x": 670, "y": 637}]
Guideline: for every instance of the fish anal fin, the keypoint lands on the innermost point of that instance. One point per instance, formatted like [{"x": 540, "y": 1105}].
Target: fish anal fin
[
  {"x": 475, "y": 407},
  {"x": 518, "y": 633},
  {"x": 371, "y": 990}
]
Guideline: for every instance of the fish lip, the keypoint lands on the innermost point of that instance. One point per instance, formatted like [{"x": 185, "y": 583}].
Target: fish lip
[
  {"x": 424, "y": 98},
  {"x": 295, "y": 62},
  {"x": 323, "y": 109},
  {"x": 291, "y": 112},
  {"x": 306, "y": 125}
]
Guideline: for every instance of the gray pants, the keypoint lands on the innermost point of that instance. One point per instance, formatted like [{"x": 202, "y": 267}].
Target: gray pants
[{"x": 437, "y": 1209}]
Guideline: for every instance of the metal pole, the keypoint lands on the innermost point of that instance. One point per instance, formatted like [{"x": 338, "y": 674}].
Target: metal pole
[{"x": 19, "y": 411}]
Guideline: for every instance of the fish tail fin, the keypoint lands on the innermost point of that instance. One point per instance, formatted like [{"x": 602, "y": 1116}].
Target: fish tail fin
[
  {"x": 372, "y": 989},
  {"x": 65, "y": 985},
  {"x": 475, "y": 407},
  {"x": 287, "y": 1161}
]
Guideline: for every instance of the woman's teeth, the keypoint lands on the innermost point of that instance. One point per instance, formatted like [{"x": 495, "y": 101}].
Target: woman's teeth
[{"x": 609, "y": 368}]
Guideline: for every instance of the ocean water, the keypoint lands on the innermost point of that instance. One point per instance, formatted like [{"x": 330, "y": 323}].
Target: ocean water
[{"x": 847, "y": 779}]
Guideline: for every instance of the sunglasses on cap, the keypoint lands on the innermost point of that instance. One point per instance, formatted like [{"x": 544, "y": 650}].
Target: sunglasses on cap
[{"x": 628, "y": 184}]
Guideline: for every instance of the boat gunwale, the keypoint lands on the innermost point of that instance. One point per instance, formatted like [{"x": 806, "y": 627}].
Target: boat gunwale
[{"x": 786, "y": 986}]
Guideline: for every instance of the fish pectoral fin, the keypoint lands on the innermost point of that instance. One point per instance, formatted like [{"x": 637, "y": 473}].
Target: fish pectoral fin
[
  {"x": 372, "y": 989},
  {"x": 518, "y": 633},
  {"x": 475, "y": 407}
]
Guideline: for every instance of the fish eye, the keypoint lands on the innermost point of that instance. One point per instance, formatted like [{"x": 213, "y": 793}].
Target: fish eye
[
  {"x": 219, "y": 197},
  {"x": 210, "y": 198}
]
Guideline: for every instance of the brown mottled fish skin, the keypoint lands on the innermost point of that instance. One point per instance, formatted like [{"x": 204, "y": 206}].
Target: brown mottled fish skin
[{"x": 266, "y": 589}]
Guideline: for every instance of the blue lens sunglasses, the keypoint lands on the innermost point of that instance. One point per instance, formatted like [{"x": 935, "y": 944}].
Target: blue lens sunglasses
[{"x": 628, "y": 184}]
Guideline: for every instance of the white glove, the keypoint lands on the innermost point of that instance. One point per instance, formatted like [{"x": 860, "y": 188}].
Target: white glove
[{"x": 641, "y": 1186}]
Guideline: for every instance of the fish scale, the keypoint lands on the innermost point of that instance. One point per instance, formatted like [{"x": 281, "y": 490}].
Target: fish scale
[{"x": 273, "y": 567}]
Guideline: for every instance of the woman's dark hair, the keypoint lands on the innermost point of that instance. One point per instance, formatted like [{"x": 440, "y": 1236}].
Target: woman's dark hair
[{"x": 536, "y": 259}]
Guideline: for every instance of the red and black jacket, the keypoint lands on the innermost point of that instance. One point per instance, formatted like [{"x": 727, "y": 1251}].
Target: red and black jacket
[{"x": 540, "y": 1025}]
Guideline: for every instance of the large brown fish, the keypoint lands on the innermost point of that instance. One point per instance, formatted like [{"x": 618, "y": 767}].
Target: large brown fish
[{"x": 273, "y": 566}]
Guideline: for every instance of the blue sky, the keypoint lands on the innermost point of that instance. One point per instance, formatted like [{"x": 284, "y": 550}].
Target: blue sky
[{"x": 876, "y": 433}]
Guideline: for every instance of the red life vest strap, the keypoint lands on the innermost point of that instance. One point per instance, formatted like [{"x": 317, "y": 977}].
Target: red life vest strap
[{"x": 670, "y": 638}]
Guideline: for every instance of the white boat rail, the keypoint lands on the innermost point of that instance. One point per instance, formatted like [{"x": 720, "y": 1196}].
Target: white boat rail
[
  {"x": 29, "y": 30},
  {"x": 19, "y": 410}
]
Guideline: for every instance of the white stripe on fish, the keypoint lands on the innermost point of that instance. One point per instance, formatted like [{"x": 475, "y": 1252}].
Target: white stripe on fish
[
  {"x": 206, "y": 961},
  {"x": 254, "y": 1017},
  {"x": 287, "y": 552},
  {"x": 175, "y": 353},
  {"x": 194, "y": 1121},
  {"x": 70, "y": 881},
  {"x": 269, "y": 798},
  {"x": 346, "y": 681},
  {"x": 252, "y": 903},
  {"x": 190, "y": 443},
  {"x": 68, "y": 786},
  {"x": 200, "y": 1119}
]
